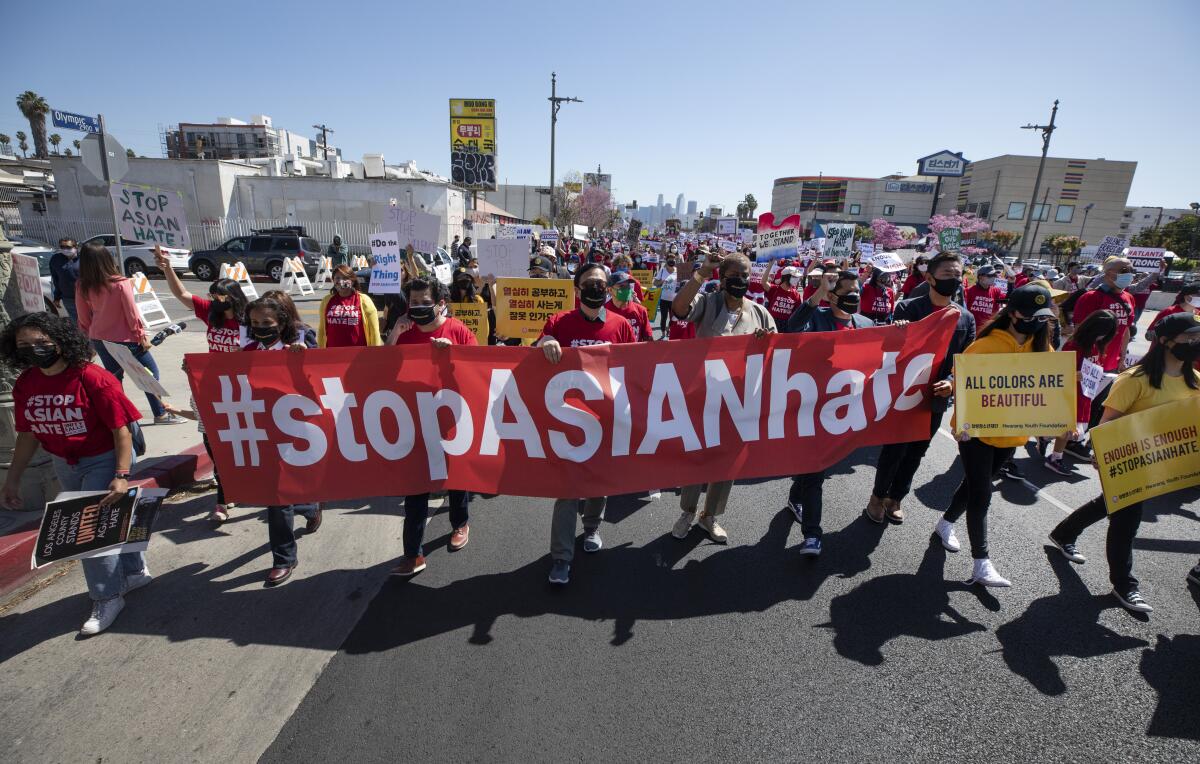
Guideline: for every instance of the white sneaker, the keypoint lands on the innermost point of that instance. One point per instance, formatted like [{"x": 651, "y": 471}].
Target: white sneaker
[
  {"x": 138, "y": 580},
  {"x": 683, "y": 525},
  {"x": 714, "y": 531},
  {"x": 945, "y": 532},
  {"x": 655, "y": 494},
  {"x": 985, "y": 573},
  {"x": 104, "y": 612}
]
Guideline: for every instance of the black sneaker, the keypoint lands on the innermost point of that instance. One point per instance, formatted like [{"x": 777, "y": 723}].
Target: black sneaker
[
  {"x": 797, "y": 511},
  {"x": 1080, "y": 451},
  {"x": 1068, "y": 550},
  {"x": 1132, "y": 601},
  {"x": 1194, "y": 575},
  {"x": 1011, "y": 471},
  {"x": 1058, "y": 467}
]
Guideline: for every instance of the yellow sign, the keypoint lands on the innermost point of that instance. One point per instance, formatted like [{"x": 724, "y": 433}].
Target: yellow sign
[
  {"x": 1148, "y": 454},
  {"x": 1004, "y": 395},
  {"x": 653, "y": 295},
  {"x": 474, "y": 315},
  {"x": 523, "y": 305},
  {"x": 644, "y": 277},
  {"x": 477, "y": 135},
  {"x": 473, "y": 107}
]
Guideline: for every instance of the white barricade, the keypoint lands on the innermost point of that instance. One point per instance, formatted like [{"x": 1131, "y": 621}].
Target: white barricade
[
  {"x": 294, "y": 278},
  {"x": 150, "y": 308},
  {"x": 238, "y": 273}
]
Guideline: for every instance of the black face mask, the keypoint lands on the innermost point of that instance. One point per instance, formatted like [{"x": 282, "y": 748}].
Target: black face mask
[
  {"x": 1027, "y": 325},
  {"x": 466, "y": 290},
  {"x": 946, "y": 287},
  {"x": 41, "y": 356},
  {"x": 593, "y": 296},
  {"x": 216, "y": 312},
  {"x": 266, "y": 335},
  {"x": 421, "y": 314},
  {"x": 849, "y": 303},
  {"x": 736, "y": 287},
  {"x": 1186, "y": 353}
]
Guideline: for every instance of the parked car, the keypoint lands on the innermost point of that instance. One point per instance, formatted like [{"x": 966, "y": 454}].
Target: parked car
[
  {"x": 441, "y": 263},
  {"x": 139, "y": 256},
  {"x": 261, "y": 252}
]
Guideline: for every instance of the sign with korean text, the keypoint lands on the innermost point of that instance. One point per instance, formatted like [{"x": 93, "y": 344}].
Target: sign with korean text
[
  {"x": 420, "y": 229},
  {"x": 523, "y": 305},
  {"x": 1000, "y": 395},
  {"x": 151, "y": 215},
  {"x": 944, "y": 163},
  {"x": 474, "y": 315},
  {"x": 385, "y": 263},
  {"x": 473, "y": 143},
  {"x": 1148, "y": 454},
  {"x": 29, "y": 282},
  {"x": 645, "y": 277}
]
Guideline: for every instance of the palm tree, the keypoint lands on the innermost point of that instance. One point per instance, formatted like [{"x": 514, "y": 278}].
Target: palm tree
[
  {"x": 22, "y": 144},
  {"x": 751, "y": 205},
  {"x": 67, "y": 152},
  {"x": 35, "y": 109},
  {"x": 55, "y": 139},
  {"x": 77, "y": 145},
  {"x": 129, "y": 153},
  {"x": 5, "y": 143}
]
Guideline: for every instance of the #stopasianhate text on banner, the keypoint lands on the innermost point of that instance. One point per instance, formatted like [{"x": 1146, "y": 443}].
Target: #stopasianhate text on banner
[{"x": 344, "y": 423}]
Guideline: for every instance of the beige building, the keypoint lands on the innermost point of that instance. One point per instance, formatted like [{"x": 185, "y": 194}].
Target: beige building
[
  {"x": 898, "y": 199},
  {"x": 1073, "y": 191}
]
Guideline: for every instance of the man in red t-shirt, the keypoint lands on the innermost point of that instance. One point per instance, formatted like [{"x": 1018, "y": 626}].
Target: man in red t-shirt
[
  {"x": 620, "y": 285},
  {"x": 984, "y": 297},
  {"x": 589, "y": 324},
  {"x": 782, "y": 298},
  {"x": 1111, "y": 296},
  {"x": 430, "y": 325}
]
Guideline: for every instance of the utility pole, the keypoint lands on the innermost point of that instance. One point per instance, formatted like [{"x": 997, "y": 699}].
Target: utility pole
[
  {"x": 556, "y": 102},
  {"x": 1037, "y": 227},
  {"x": 1047, "y": 130},
  {"x": 324, "y": 138}
]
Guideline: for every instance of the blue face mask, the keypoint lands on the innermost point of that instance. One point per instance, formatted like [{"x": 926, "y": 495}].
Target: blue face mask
[{"x": 1124, "y": 280}]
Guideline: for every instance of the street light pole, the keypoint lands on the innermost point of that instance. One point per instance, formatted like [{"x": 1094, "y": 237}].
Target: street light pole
[
  {"x": 1037, "y": 183},
  {"x": 556, "y": 103},
  {"x": 1195, "y": 227},
  {"x": 1086, "y": 210}
]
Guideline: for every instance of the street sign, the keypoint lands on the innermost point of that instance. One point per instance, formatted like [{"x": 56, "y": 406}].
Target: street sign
[
  {"x": 68, "y": 121},
  {"x": 118, "y": 163},
  {"x": 946, "y": 164}
]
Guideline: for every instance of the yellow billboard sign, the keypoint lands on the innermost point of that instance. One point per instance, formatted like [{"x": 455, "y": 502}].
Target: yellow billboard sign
[
  {"x": 473, "y": 143},
  {"x": 1004, "y": 395},
  {"x": 1149, "y": 453},
  {"x": 473, "y": 107}
]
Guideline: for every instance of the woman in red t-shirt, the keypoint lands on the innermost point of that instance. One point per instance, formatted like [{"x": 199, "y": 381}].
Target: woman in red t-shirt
[
  {"x": 1089, "y": 342},
  {"x": 878, "y": 297},
  {"x": 79, "y": 414},
  {"x": 916, "y": 275},
  {"x": 348, "y": 317},
  {"x": 224, "y": 311}
]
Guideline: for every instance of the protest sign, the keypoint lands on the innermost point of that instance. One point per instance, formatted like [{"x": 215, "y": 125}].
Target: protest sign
[
  {"x": 385, "y": 268},
  {"x": 150, "y": 215},
  {"x": 420, "y": 229},
  {"x": 645, "y": 277},
  {"x": 1148, "y": 454},
  {"x": 29, "y": 283},
  {"x": 75, "y": 526},
  {"x": 998, "y": 395},
  {"x": 888, "y": 262},
  {"x": 523, "y": 305},
  {"x": 866, "y": 250},
  {"x": 139, "y": 375},
  {"x": 605, "y": 419},
  {"x": 474, "y": 315},
  {"x": 727, "y": 245},
  {"x": 1002, "y": 285},
  {"x": 1145, "y": 259},
  {"x": 580, "y": 232},
  {"x": 1091, "y": 378},
  {"x": 549, "y": 236},
  {"x": 1110, "y": 246},
  {"x": 839, "y": 239},
  {"x": 653, "y": 297},
  {"x": 726, "y": 226},
  {"x": 757, "y": 270},
  {"x": 503, "y": 258},
  {"x": 776, "y": 240},
  {"x": 950, "y": 239}
]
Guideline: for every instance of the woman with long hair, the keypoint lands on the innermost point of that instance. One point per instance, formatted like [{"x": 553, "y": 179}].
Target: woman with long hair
[
  {"x": 347, "y": 317},
  {"x": 1020, "y": 327},
  {"x": 1089, "y": 342},
  {"x": 916, "y": 274},
  {"x": 223, "y": 312},
  {"x": 305, "y": 334},
  {"x": 1167, "y": 373},
  {"x": 107, "y": 311},
  {"x": 60, "y": 385}
]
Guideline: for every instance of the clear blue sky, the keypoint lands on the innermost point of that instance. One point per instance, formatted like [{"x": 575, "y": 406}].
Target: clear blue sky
[{"x": 687, "y": 97}]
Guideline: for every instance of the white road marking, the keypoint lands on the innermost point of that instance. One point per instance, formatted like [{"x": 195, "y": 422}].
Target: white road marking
[{"x": 1041, "y": 493}]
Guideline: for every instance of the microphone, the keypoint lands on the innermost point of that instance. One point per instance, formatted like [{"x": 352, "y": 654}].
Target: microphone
[{"x": 172, "y": 329}]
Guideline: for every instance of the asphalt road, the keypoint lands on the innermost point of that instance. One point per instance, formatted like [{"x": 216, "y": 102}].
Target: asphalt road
[{"x": 666, "y": 650}]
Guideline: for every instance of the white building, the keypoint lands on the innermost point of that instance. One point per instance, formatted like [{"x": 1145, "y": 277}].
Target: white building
[
  {"x": 231, "y": 138},
  {"x": 1137, "y": 219}
]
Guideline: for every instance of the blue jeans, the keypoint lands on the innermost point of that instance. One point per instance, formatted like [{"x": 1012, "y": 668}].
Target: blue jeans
[
  {"x": 281, "y": 535},
  {"x": 105, "y": 575},
  {"x": 143, "y": 357},
  {"x": 416, "y": 513}
]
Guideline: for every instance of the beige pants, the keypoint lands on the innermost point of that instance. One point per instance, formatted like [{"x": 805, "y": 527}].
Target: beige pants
[{"x": 715, "y": 497}]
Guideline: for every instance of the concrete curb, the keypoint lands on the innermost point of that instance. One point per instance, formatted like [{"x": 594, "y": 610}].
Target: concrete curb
[{"x": 16, "y": 546}]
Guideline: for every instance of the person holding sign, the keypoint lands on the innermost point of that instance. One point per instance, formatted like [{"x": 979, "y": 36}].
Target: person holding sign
[
  {"x": 224, "y": 311},
  {"x": 1111, "y": 295},
  {"x": 878, "y": 297},
  {"x": 348, "y": 317},
  {"x": 782, "y": 298},
  {"x": 79, "y": 414},
  {"x": 1022, "y": 326},
  {"x": 1167, "y": 373},
  {"x": 107, "y": 311},
  {"x": 430, "y": 325},
  {"x": 587, "y": 325},
  {"x": 1088, "y": 342}
]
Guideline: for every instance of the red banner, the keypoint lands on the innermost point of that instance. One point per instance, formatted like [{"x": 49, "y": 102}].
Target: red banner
[{"x": 345, "y": 423}]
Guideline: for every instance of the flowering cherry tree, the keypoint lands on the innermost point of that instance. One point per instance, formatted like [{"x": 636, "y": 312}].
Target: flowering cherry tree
[
  {"x": 887, "y": 235},
  {"x": 596, "y": 207},
  {"x": 967, "y": 223}
]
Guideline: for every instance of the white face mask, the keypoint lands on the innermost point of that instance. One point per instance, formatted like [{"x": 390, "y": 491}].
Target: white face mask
[
  {"x": 70, "y": 251},
  {"x": 473, "y": 271},
  {"x": 922, "y": 267},
  {"x": 1195, "y": 301}
]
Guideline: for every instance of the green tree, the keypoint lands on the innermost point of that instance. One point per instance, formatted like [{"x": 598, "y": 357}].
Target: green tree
[
  {"x": 751, "y": 205},
  {"x": 35, "y": 109},
  {"x": 76, "y": 144},
  {"x": 1004, "y": 240},
  {"x": 1063, "y": 247},
  {"x": 864, "y": 233},
  {"x": 21, "y": 144},
  {"x": 67, "y": 152},
  {"x": 1180, "y": 236},
  {"x": 55, "y": 139}
]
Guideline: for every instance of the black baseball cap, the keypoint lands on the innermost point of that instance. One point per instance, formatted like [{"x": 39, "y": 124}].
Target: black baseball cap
[
  {"x": 1176, "y": 324},
  {"x": 1031, "y": 301},
  {"x": 541, "y": 262},
  {"x": 985, "y": 270},
  {"x": 618, "y": 278}
]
